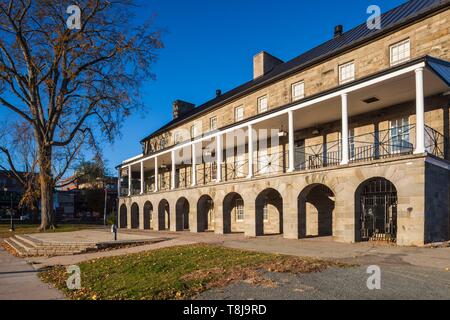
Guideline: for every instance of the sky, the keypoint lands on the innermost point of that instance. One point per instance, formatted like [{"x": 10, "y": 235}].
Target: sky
[{"x": 210, "y": 44}]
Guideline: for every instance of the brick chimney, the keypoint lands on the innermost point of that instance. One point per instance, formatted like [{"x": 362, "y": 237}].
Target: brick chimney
[
  {"x": 263, "y": 63},
  {"x": 181, "y": 107}
]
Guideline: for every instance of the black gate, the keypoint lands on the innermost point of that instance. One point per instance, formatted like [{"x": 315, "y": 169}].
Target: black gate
[{"x": 378, "y": 218}]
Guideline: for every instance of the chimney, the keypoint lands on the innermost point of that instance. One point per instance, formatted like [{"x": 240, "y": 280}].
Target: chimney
[
  {"x": 218, "y": 93},
  {"x": 338, "y": 31},
  {"x": 263, "y": 63},
  {"x": 181, "y": 107}
]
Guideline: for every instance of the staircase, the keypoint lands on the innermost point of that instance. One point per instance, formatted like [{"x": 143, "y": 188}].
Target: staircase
[
  {"x": 27, "y": 246},
  {"x": 382, "y": 237}
]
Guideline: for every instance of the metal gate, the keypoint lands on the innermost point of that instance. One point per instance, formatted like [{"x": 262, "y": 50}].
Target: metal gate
[{"x": 378, "y": 218}]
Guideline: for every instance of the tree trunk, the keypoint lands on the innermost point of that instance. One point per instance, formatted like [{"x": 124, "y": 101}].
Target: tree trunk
[{"x": 46, "y": 184}]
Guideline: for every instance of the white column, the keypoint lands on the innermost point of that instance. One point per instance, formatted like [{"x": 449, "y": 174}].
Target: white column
[
  {"x": 250, "y": 151},
  {"x": 420, "y": 113},
  {"x": 291, "y": 142},
  {"x": 194, "y": 165},
  {"x": 142, "y": 177},
  {"x": 219, "y": 153},
  {"x": 129, "y": 180},
  {"x": 173, "y": 170},
  {"x": 344, "y": 134},
  {"x": 156, "y": 174}
]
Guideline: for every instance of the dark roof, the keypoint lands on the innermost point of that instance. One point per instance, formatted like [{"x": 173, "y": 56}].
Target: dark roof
[
  {"x": 441, "y": 68},
  {"x": 395, "y": 18}
]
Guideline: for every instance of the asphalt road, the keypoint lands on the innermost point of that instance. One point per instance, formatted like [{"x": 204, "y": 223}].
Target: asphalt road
[{"x": 397, "y": 282}]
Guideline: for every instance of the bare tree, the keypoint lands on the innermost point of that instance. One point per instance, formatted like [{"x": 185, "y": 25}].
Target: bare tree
[{"x": 72, "y": 88}]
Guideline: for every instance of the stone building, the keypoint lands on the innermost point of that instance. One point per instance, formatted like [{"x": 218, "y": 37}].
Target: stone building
[{"x": 348, "y": 140}]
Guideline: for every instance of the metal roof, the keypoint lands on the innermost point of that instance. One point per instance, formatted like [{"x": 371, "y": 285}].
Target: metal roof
[{"x": 395, "y": 18}]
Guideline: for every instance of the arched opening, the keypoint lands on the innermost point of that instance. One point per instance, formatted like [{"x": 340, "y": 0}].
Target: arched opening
[
  {"x": 205, "y": 214},
  {"x": 148, "y": 216},
  {"x": 269, "y": 213},
  {"x": 164, "y": 215},
  {"x": 376, "y": 211},
  {"x": 233, "y": 213},
  {"x": 134, "y": 216},
  {"x": 182, "y": 214},
  {"x": 316, "y": 204},
  {"x": 123, "y": 218}
]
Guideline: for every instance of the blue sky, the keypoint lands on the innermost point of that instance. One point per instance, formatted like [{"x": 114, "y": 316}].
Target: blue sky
[{"x": 209, "y": 44}]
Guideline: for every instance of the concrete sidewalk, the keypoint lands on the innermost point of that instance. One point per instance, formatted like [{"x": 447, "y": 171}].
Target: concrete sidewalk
[{"x": 19, "y": 281}]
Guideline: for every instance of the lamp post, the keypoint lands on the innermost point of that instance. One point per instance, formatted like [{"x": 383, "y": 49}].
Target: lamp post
[
  {"x": 5, "y": 189},
  {"x": 105, "y": 187}
]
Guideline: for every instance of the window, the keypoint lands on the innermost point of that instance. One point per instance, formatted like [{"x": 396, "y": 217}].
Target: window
[
  {"x": 240, "y": 210},
  {"x": 195, "y": 130},
  {"x": 213, "y": 124},
  {"x": 266, "y": 213},
  {"x": 351, "y": 143},
  {"x": 239, "y": 114},
  {"x": 298, "y": 91},
  {"x": 399, "y": 133},
  {"x": 346, "y": 72},
  {"x": 400, "y": 52},
  {"x": 239, "y": 165},
  {"x": 263, "y": 105},
  {"x": 177, "y": 137},
  {"x": 162, "y": 144}
]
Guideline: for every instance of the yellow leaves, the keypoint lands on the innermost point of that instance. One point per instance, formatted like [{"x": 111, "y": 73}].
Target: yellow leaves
[{"x": 94, "y": 297}]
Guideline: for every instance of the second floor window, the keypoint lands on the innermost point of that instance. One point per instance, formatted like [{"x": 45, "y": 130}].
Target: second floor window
[
  {"x": 162, "y": 144},
  {"x": 195, "y": 130},
  {"x": 399, "y": 135},
  {"x": 400, "y": 52},
  {"x": 213, "y": 124},
  {"x": 177, "y": 137},
  {"x": 263, "y": 104},
  {"x": 298, "y": 91},
  {"x": 239, "y": 114},
  {"x": 346, "y": 72}
]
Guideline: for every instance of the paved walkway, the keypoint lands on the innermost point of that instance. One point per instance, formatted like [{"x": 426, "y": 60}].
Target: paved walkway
[{"x": 19, "y": 281}]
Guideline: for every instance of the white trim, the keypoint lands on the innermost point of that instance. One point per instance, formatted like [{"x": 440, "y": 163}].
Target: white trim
[{"x": 293, "y": 108}]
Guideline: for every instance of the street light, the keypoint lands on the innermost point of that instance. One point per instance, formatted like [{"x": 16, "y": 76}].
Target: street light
[
  {"x": 105, "y": 186},
  {"x": 5, "y": 189}
]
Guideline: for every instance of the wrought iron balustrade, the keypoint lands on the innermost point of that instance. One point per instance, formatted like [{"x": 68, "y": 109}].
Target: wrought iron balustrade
[
  {"x": 318, "y": 156},
  {"x": 268, "y": 163}
]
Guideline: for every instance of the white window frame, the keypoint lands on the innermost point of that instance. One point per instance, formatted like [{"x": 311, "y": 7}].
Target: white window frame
[
  {"x": 194, "y": 130},
  {"x": 240, "y": 214},
  {"x": 266, "y": 108},
  {"x": 295, "y": 97},
  {"x": 238, "y": 110},
  {"x": 343, "y": 71},
  {"x": 213, "y": 123},
  {"x": 177, "y": 137},
  {"x": 402, "y": 123},
  {"x": 403, "y": 53}
]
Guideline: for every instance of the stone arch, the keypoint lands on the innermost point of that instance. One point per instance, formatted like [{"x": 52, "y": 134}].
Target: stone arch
[
  {"x": 163, "y": 215},
  {"x": 205, "y": 214},
  {"x": 376, "y": 205},
  {"x": 316, "y": 204},
  {"x": 135, "y": 216},
  {"x": 269, "y": 213},
  {"x": 182, "y": 214},
  {"x": 123, "y": 218},
  {"x": 148, "y": 215},
  {"x": 233, "y": 213}
]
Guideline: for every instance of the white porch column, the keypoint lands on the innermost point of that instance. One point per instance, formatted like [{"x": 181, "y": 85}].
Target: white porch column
[
  {"x": 194, "y": 165},
  {"x": 173, "y": 170},
  {"x": 142, "y": 177},
  {"x": 420, "y": 113},
  {"x": 250, "y": 151},
  {"x": 129, "y": 180},
  {"x": 219, "y": 154},
  {"x": 291, "y": 142},
  {"x": 344, "y": 134},
  {"x": 156, "y": 174}
]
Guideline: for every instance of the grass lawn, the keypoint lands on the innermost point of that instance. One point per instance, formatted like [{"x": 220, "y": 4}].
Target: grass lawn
[
  {"x": 33, "y": 228},
  {"x": 177, "y": 272}
]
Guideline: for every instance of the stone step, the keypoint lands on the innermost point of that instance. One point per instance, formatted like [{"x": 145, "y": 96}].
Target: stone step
[
  {"x": 30, "y": 241},
  {"x": 18, "y": 249},
  {"x": 23, "y": 245}
]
